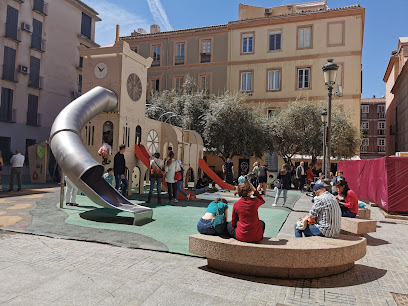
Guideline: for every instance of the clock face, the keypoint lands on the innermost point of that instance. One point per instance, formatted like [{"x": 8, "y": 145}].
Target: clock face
[
  {"x": 101, "y": 70},
  {"x": 134, "y": 87}
]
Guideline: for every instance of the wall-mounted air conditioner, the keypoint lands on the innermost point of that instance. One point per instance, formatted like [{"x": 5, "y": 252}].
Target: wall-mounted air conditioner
[
  {"x": 22, "y": 69},
  {"x": 268, "y": 11},
  {"x": 26, "y": 27}
]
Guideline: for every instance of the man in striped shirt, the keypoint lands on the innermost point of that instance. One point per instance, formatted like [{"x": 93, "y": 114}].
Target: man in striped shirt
[{"x": 327, "y": 212}]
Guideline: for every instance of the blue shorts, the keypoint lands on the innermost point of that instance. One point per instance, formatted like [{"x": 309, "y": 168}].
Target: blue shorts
[{"x": 206, "y": 227}]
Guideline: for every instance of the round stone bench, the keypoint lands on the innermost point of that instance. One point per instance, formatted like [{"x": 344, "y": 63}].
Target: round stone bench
[{"x": 309, "y": 257}]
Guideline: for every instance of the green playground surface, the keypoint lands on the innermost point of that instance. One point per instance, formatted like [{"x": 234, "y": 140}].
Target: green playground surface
[{"x": 171, "y": 224}]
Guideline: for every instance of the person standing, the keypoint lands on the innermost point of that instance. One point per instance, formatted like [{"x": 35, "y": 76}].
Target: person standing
[
  {"x": 1, "y": 170},
  {"x": 170, "y": 169},
  {"x": 179, "y": 183},
  {"x": 255, "y": 170},
  {"x": 70, "y": 193},
  {"x": 17, "y": 163},
  {"x": 156, "y": 176},
  {"x": 301, "y": 175},
  {"x": 228, "y": 169},
  {"x": 284, "y": 177},
  {"x": 119, "y": 168},
  {"x": 263, "y": 178}
]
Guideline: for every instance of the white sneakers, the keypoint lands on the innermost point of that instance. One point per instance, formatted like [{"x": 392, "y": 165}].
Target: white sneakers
[
  {"x": 188, "y": 196},
  {"x": 273, "y": 204}
]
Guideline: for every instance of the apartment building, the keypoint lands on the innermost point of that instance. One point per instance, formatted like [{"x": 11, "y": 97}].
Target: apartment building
[
  {"x": 41, "y": 71},
  {"x": 396, "y": 79},
  {"x": 373, "y": 128},
  {"x": 273, "y": 55},
  {"x": 201, "y": 53}
]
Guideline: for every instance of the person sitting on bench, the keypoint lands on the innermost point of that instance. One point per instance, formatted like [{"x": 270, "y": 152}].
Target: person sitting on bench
[
  {"x": 347, "y": 199},
  {"x": 327, "y": 213}
]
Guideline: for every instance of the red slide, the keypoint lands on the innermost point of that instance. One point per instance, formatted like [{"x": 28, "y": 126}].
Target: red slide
[
  {"x": 143, "y": 155},
  {"x": 223, "y": 185}
]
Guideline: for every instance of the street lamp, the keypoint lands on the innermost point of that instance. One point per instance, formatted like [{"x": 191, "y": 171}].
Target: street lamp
[
  {"x": 330, "y": 74},
  {"x": 324, "y": 121}
]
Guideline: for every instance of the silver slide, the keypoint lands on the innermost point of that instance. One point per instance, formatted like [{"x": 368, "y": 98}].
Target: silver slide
[{"x": 75, "y": 161}]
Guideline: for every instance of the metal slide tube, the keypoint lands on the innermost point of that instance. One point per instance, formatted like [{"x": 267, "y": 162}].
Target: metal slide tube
[{"x": 75, "y": 161}]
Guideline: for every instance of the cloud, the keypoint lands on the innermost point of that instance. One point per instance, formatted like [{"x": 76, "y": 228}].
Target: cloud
[
  {"x": 111, "y": 15},
  {"x": 159, "y": 14}
]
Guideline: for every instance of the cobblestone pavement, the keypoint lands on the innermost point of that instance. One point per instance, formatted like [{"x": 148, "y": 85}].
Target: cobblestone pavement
[{"x": 37, "y": 270}]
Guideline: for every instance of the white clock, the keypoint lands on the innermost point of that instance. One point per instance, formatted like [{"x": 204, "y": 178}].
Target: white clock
[{"x": 101, "y": 70}]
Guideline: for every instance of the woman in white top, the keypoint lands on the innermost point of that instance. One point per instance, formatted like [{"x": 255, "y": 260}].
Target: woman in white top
[{"x": 171, "y": 168}]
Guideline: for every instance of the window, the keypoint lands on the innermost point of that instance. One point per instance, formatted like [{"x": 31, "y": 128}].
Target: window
[
  {"x": 32, "y": 110},
  {"x": 156, "y": 56},
  {"x": 86, "y": 26},
  {"x": 155, "y": 85},
  {"x": 365, "y": 142},
  {"x": 179, "y": 60},
  {"x": 34, "y": 78},
  {"x": 271, "y": 112},
  {"x": 9, "y": 65},
  {"x": 365, "y": 109},
  {"x": 5, "y": 147},
  {"x": 80, "y": 83},
  {"x": 365, "y": 125},
  {"x": 89, "y": 134},
  {"x": 381, "y": 109},
  {"x": 381, "y": 144},
  {"x": 11, "y": 23},
  {"x": 246, "y": 81},
  {"x": 138, "y": 138},
  {"x": 247, "y": 43},
  {"x": 205, "y": 83},
  {"x": 303, "y": 78},
  {"x": 6, "y": 106},
  {"x": 304, "y": 37},
  {"x": 29, "y": 143},
  {"x": 274, "y": 79},
  {"x": 81, "y": 62},
  {"x": 135, "y": 49},
  {"x": 179, "y": 81},
  {"x": 205, "y": 51},
  {"x": 40, "y": 6},
  {"x": 275, "y": 41},
  {"x": 381, "y": 128},
  {"x": 36, "y": 38}
]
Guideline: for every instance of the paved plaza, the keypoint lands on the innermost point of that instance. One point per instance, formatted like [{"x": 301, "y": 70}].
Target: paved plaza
[{"x": 39, "y": 270}]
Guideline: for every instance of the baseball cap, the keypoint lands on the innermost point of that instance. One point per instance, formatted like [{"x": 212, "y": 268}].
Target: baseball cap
[{"x": 318, "y": 186}]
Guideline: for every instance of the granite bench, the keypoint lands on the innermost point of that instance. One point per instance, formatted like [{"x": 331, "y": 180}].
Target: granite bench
[
  {"x": 358, "y": 226},
  {"x": 310, "y": 257}
]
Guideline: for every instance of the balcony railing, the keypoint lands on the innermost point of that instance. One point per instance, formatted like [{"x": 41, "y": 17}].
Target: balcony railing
[
  {"x": 36, "y": 82},
  {"x": 33, "y": 120},
  {"x": 11, "y": 33},
  {"x": 205, "y": 57},
  {"x": 37, "y": 43},
  {"x": 179, "y": 61},
  {"x": 156, "y": 63},
  {"x": 41, "y": 9},
  {"x": 9, "y": 74}
]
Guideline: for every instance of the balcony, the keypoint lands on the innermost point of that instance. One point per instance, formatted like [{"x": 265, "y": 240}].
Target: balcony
[
  {"x": 9, "y": 73},
  {"x": 41, "y": 8},
  {"x": 33, "y": 120},
  {"x": 37, "y": 43},
  {"x": 156, "y": 63},
  {"x": 10, "y": 118},
  {"x": 179, "y": 61},
  {"x": 205, "y": 57},
  {"x": 36, "y": 82},
  {"x": 12, "y": 32}
]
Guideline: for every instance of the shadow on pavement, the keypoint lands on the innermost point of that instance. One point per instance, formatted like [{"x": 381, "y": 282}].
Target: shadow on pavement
[
  {"x": 371, "y": 241},
  {"x": 106, "y": 215},
  {"x": 358, "y": 275}
]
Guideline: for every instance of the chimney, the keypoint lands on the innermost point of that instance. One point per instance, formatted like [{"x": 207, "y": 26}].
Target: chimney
[
  {"x": 117, "y": 32},
  {"x": 141, "y": 31},
  {"x": 373, "y": 96},
  {"x": 154, "y": 28}
]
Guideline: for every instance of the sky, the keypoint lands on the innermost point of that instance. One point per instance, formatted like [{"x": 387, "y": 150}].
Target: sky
[{"x": 385, "y": 22}]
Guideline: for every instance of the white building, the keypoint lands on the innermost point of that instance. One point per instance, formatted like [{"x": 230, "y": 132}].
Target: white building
[{"x": 41, "y": 71}]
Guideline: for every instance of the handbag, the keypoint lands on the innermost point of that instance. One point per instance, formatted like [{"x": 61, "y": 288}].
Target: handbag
[
  {"x": 156, "y": 172},
  {"x": 219, "y": 222}
]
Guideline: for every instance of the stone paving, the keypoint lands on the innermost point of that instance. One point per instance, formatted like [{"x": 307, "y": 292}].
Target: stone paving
[{"x": 38, "y": 270}]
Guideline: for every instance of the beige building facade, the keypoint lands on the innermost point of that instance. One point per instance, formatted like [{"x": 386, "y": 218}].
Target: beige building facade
[{"x": 41, "y": 67}]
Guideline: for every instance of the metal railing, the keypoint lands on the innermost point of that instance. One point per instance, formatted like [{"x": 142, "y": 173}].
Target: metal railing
[
  {"x": 205, "y": 57},
  {"x": 156, "y": 63},
  {"x": 37, "y": 43},
  {"x": 179, "y": 61},
  {"x": 36, "y": 82}
]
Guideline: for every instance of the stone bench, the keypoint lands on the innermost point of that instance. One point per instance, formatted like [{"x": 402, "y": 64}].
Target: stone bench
[
  {"x": 364, "y": 213},
  {"x": 310, "y": 257},
  {"x": 358, "y": 226}
]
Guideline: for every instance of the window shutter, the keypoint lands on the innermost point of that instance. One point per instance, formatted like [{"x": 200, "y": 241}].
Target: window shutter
[
  {"x": 34, "y": 72},
  {"x": 278, "y": 41},
  {"x": 6, "y": 106},
  {"x": 32, "y": 110},
  {"x": 86, "y": 26},
  {"x": 9, "y": 61},
  {"x": 11, "y": 22},
  {"x": 37, "y": 34},
  {"x": 39, "y": 6}
]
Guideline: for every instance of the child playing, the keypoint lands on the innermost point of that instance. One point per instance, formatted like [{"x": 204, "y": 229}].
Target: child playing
[
  {"x": 108, "y": 176},
  {"x": 242, "y": 178}
]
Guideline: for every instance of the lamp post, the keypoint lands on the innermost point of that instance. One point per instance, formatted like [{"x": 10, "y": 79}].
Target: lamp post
[
  {"x": 330, "y": 74},
  {"x": 324, "y": 121}
]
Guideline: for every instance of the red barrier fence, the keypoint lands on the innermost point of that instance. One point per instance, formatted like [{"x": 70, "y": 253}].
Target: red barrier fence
[{"x": 383, "y": 181}]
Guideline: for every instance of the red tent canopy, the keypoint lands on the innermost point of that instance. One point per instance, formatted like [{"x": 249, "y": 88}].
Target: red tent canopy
[{"x": 383, "y": 181}]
